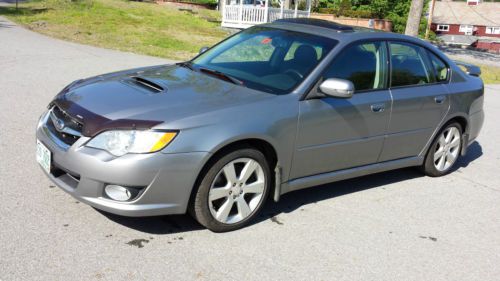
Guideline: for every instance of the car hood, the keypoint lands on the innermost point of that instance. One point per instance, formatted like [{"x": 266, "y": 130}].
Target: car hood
[{"x": 146, "y": 97}]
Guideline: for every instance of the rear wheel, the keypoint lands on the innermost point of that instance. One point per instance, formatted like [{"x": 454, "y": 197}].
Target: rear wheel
[
  {"x": 233, "y": 190},
  {"x": 444, "y": 151}
]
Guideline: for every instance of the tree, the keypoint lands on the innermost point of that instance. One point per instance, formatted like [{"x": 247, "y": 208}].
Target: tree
[
  {"x": 345, "y": 5},
  {"x": 397, "y": 11},
  {"x": 379, "y": 8},
  {"x": 413, "y": 22}
]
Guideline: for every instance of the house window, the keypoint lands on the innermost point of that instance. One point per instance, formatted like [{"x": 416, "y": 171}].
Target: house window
[
  {"x": 443, "y": 27},
  {"x": 467, "y": 29},
  {"x": 493, "y": 30}
]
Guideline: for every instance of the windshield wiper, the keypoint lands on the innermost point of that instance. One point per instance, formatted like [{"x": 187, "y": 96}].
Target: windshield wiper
[
  {"x": 186, "y": 64},
  {"x": 222, "y": 75}
]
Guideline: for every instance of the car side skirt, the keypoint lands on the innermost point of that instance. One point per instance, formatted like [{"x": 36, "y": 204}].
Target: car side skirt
[{"x": 330, "y": 177}]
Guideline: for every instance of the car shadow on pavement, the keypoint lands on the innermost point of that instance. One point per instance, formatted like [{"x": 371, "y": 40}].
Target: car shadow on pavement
[
  {"x": 293, "y": 201},
  {"x": 290, "y": 202},
  {"x": 5, "y": 24},
  {"x": 158, "y": 225},
  {"x": 474, "y": 151},
  {"x": 481, "y": 55}
]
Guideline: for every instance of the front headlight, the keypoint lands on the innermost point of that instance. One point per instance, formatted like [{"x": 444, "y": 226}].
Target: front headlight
[{"x": 121, "y": 142}]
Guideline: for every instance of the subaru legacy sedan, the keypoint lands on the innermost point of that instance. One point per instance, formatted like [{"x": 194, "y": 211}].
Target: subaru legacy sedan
[{"x": 275, "y": 108}]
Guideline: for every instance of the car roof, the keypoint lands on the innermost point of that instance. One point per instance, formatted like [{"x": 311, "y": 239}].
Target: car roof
[{"x": 340, "y": 32}]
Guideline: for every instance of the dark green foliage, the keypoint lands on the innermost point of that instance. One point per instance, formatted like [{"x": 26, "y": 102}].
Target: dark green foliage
[
  {"x": 347, "y": 13},
  {"x": 345, "y": 5}
]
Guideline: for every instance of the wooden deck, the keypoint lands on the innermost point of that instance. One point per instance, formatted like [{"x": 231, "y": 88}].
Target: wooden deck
[{"x": 244, "y": 16}]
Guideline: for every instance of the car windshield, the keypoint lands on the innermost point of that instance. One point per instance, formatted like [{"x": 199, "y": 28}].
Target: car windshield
[{"x": 265, "y": 59}]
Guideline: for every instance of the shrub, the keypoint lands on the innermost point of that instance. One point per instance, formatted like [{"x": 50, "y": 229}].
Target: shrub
[
  {"x": 358, "y": 14},
  {"x": 346, "y": 13},
  {"x": 330, "y": 11}
]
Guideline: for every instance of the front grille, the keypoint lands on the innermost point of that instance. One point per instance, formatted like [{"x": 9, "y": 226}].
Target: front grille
[{"x": 63, "y": 126}]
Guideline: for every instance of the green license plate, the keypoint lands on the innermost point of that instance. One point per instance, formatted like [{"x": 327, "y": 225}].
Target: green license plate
[{"x": 43, "y": 156}]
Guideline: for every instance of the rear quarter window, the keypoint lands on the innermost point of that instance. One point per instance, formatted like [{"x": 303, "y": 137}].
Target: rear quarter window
[{"x": 440, "y": 68}]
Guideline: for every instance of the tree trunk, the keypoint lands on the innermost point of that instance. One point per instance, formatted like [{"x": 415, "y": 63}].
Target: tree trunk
[
  {"x": 429, "y": 20},
  {"x": 414, "y": 17}
]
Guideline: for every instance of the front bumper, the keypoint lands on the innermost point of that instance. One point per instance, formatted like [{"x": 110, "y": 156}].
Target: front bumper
[{"x": 167, "y": 178}]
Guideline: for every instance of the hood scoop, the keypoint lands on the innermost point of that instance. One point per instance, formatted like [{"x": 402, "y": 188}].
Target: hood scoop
[{"x": 147, "y": 84}]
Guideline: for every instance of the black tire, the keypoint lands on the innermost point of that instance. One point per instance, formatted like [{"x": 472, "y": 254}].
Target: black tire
[
  {"x": 200, "y": 206},
  {"x": 429, "y": 167}
]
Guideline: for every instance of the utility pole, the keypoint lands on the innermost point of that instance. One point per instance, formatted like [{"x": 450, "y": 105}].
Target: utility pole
[
  {"x": 414, "y": 17},
  {"x": 429, "y": 21}
]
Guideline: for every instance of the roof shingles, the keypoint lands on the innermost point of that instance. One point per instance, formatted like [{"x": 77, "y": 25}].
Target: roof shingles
[{"x": 486, "y": 13}]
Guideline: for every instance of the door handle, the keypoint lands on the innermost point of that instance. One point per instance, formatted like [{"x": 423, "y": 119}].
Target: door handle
[
  {"x": 439, "y": 99},
  {"x": 378, "y": 107}
]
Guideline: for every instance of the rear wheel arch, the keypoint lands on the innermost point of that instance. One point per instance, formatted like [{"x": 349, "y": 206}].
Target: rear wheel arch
[
  {"x": 428, "y": 166},
  {"x": 460, "y": 119}
]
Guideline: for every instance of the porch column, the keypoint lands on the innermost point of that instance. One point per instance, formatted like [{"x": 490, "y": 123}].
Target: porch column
[
  {"x": 281, "y": 9},
  {"x": 296, "y": 5},
  {"x": 308, "y": 3},
  {"x": 222, "y": 8},
  {"x": 266, "y": 12},
  {"x": 241, "y": 12}
]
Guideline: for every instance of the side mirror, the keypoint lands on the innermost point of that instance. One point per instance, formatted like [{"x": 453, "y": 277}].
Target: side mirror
[
  {"x": 338, "y": 88},
  {"x": 203, "y": 49}
]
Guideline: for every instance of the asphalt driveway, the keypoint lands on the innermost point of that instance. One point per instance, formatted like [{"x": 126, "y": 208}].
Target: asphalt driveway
[{"x": 393, "y": 226}]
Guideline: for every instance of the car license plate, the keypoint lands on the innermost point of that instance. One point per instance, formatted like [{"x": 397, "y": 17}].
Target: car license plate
[{"x": 43, "y": 156}]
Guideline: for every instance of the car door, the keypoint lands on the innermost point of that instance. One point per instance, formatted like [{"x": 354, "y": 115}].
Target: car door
[
  {"x": 420, "y": 99},
  {"x": 336, "y": 133}
]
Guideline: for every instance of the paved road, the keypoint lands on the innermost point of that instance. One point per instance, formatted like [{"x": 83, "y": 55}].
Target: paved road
[
  {"x": 472, "y": 56},
  {"x": 392, "y": 226}
]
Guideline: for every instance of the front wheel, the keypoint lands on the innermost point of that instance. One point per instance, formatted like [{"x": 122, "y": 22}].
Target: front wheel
[
  {"x": 233, "y": 190},
  {"x": 444, "y": 151}
]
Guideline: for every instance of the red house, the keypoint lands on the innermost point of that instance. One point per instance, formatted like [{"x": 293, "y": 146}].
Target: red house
[{"x": 473, "y": 23}]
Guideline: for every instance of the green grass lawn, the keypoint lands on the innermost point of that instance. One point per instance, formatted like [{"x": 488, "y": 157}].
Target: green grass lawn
[
  {"x": 490, "y": 74},
  {"x": 137, "y": 27}
]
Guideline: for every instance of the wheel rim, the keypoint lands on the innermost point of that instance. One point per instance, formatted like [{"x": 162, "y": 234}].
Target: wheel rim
[
  {"x": 447, "y": 149},
  {"x": 237, "y": 191}
]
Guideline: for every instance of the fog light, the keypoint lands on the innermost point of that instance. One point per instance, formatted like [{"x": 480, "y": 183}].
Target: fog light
[{"x": 118, "y": 193}]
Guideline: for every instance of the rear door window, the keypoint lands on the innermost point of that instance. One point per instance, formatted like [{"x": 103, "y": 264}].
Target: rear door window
[{"x": 409, "y": 65}]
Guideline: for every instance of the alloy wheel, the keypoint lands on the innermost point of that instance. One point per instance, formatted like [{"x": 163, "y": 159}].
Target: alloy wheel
[
  {"x": 447, "y": 149},
  {"x": 237, "y": 190}
]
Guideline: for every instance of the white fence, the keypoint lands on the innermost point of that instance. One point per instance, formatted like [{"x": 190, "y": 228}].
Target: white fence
[{"x": 241, "y": 16}]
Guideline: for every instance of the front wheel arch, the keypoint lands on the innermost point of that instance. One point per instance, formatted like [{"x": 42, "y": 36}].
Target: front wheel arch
[{"x": 262, "y": 145}]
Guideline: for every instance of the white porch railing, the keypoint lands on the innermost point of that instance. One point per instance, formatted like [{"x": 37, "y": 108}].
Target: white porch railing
[
  {"x": 243, "y": 16},
  {"x": 275, "y": 14}
]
